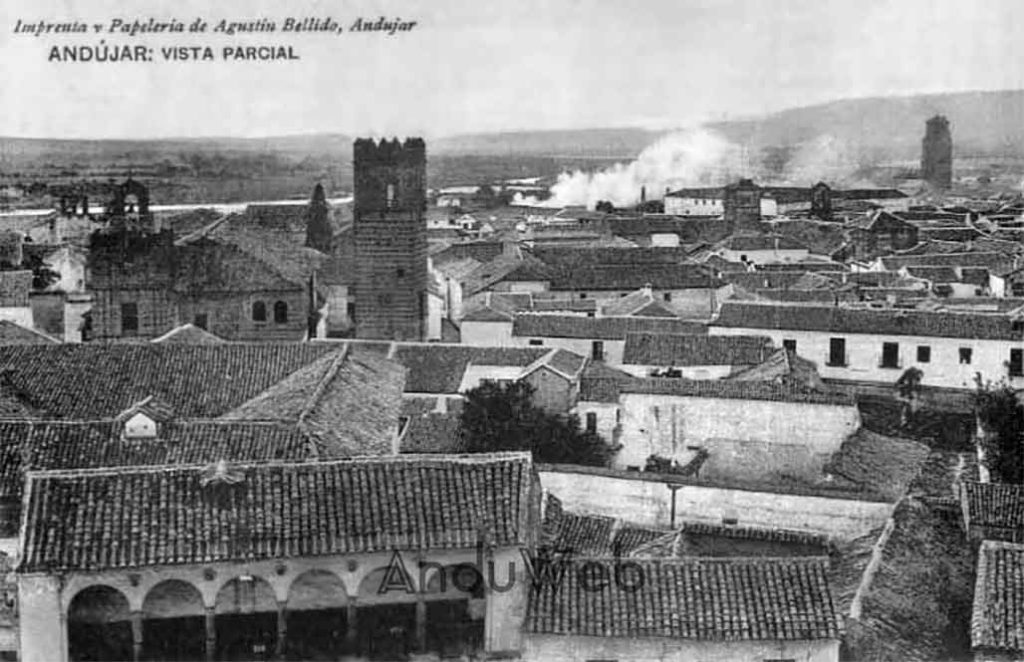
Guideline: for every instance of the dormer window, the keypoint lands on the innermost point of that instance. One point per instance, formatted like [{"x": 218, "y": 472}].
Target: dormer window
[{"x": 140, "y": 426}]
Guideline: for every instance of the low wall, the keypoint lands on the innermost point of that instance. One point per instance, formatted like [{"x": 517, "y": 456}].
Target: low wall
[{"x": 646, "y": 499}]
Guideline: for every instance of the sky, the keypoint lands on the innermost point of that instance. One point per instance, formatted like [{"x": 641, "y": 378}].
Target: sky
[{"x": 473, "y": 66}]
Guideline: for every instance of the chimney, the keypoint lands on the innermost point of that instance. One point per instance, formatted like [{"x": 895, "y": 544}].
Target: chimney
[
  {"x": 643, "y": 194},
  {"x": 648, "y": 291}
]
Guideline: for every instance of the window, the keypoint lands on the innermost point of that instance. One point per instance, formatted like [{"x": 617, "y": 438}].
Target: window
[
  {"x": 837, "y": 352},
  {"x": 924, "y": 354},
  {"x": 583, "y": 295},
  {"x": 400, "y": 272},
  {"x": 965, "y": 355},
  {"x": 790, "y": 345},
  {"x": 667, "y": 296},
  {"x": 591, "y": 422},
  {"x": 536, "y": 342},
  {"x": 129, "y": 319},
  {"x": 201, "y": 320},
  {"x": 890, "y": 355},
  {"x": 280, "y": 312},
  {"x": 259, "y": 311},
  {"x": 597, "y": 350},
  {"x": 731, "y": 521},
  {"x": 1017, "y": 362}
]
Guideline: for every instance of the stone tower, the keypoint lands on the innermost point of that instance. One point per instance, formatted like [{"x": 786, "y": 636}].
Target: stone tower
[
  {"x": 390, "y": 239},
  {"x": 742, "y": 205},
  {"x": 937, "y": 153}
]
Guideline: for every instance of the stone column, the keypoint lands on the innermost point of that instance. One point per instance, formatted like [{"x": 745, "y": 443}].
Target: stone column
[
  {"x": 421, "y": 624},
  {"x": 211, "y": 635},
  {"x": 282, "y": 629},
  {"x": 136, "y": 635},
  {"x": 352, "y": 627}
]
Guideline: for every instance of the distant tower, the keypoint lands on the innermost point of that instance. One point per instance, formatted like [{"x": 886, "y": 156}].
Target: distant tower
[
  {"x": 390, "y": 239},
  {"x": 937, "y": 153},
  {"x": 742, "y": 205}
]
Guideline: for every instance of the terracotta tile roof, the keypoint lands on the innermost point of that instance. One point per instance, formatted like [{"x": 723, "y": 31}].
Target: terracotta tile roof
[
  {"x": 588, "y": 535},
  {"x": 563, "y": 305},
  {"x": 975, "y": 276},
  {"x": 636, "y": 302},
  {"x": 436, "y": 368},
  {"x": 600, "y": 382},
  {"x": 39, "y": 445},
  {"x": 691, "y": 538},
  {"x": 994, "y": 261},
  {"x": 934, "y": 273},
  {"x": 997, "y": 622},
  {"x": 678, "y": 350},
  {"x": 783, "y": 366},
  {"x": 433, "y": 433},
  {"x": 880, "y": 220},
  {"x": 93, "y": 445},
  {"x": 89, "y": 382},
  {"x": 189, "y": 334},
  {"x": 263, "y": 257},
  {"x": 697, "y": 599},
  {"x": 347, "y": 402},
  {"x": 762, "y": 242},
  {"x": 994, "y": 505},
  {"x": 738, "y": 390},
  {"x": 878, "y": 463},
  {"x": 628, "y": 538},
  {"x": 481, "y": 251},
  {"x": 598, "y": 328},
  {"x": 207, "y": 265},
  {"x": 15, "y": 334},
  {"x": 840, "y": 319},
  {"x": 634, "y": 276},
  {"x": 88, "y": 520},
  {"x": 571, "y": 257},
  {"x": 564, "y": 362}
]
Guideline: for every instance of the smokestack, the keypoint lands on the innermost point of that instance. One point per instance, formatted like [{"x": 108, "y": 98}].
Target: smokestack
[{"x": 643, "y": 194}]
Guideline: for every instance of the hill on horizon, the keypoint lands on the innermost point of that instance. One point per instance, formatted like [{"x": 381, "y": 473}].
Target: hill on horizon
[{"x": 983, "y": 123}]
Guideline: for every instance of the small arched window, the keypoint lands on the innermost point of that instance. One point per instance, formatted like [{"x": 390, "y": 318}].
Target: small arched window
[
  {"x": 259, "y": 311},
  {"x": 280, "y": 312}
]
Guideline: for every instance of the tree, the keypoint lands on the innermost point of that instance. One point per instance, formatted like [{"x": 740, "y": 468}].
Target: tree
[
  {"x": 908, "y": 386},
  {"x": 604, "y": 206},
  {"x": 1000, "y": 431},
  {"x": 500, "y": 417},
  {"x": 318, "y": 226}
]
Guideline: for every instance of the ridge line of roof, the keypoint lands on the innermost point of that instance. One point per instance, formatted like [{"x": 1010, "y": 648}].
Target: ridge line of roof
[{"x": 404, "y": 458}]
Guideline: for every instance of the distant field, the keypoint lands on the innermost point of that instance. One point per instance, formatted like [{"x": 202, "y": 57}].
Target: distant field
[{"x": 185, "y": 177}]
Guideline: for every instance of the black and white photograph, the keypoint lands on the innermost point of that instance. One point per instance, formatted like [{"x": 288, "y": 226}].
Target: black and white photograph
[{"x": 532, "y": 330}]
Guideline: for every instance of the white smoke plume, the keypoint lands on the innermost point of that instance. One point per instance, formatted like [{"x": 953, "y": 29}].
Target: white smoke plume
[
  {"x": 824, "y": 158},
  {"x": 694, "y": 157}
]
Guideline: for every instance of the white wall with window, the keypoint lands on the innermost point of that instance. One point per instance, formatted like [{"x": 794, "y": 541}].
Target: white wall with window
[{"x": 945, "y": 362}]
